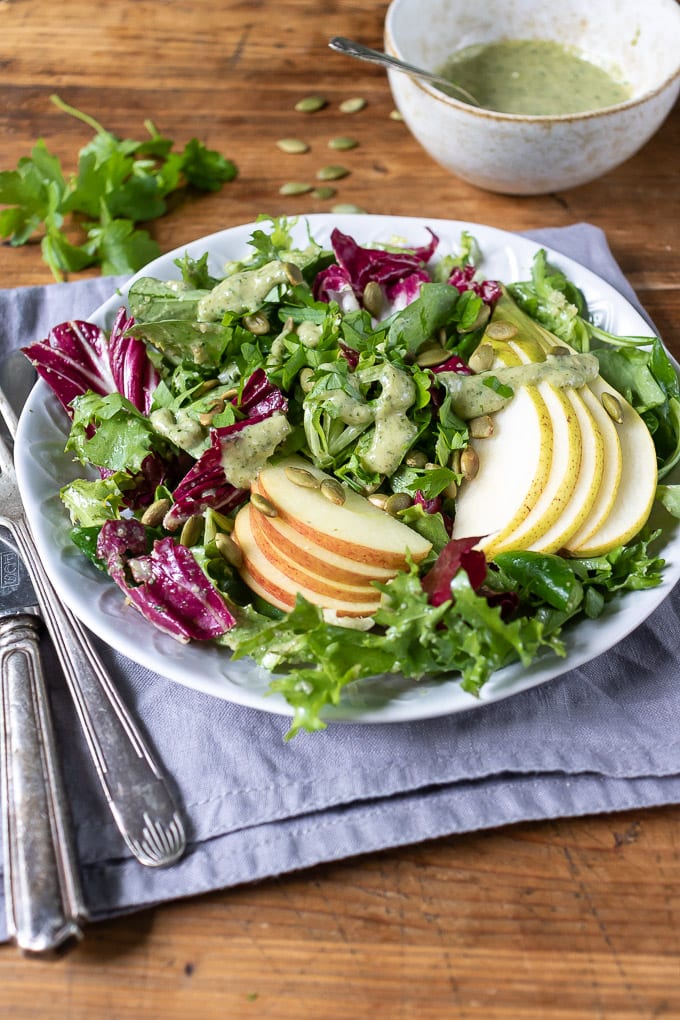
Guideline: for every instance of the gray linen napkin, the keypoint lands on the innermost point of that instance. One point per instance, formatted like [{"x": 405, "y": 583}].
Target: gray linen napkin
[{"x": 601, "y": 738}]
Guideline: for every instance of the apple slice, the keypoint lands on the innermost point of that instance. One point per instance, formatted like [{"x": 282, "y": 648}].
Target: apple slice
[
  {"x": 289, "y": 545},
  {"x": 636, "y": 488},
  {"x": 514, "y": 465},
  {"x": 356, "y": 528},
  {"x": 266, "y": 579}
]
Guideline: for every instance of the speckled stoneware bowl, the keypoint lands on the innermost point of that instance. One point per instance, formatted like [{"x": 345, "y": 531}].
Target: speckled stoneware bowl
[{"x": 637, "y": 42}]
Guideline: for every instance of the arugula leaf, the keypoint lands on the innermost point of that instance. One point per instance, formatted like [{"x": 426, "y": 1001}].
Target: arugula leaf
[{"x": 119, "y": 183}]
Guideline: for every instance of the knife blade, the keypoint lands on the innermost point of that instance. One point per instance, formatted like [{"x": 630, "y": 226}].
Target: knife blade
[{"x": 44, "y": 903}]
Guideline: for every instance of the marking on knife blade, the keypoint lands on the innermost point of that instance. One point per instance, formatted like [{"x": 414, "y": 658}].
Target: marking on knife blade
[{"x": 10, "y": 572}]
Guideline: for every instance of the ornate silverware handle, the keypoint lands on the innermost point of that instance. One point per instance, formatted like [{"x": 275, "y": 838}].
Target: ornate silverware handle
[
  {"x": 140, "y": 801},
  {"x": 43, "y": 897}
]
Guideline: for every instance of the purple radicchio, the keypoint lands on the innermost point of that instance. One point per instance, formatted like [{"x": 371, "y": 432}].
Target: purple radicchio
[
  {"x": 167, "y": 585},
  {"x": 76, "y": 357},
  {"x": 399, "y": 273},
  {"x": 463, "y": 278},
  {"x": 206, "y": 484},
  {"x": 457, "y": 554}
]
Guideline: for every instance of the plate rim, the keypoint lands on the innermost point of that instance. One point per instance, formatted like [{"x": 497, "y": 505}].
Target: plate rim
[{"x": 503, "y": 684}]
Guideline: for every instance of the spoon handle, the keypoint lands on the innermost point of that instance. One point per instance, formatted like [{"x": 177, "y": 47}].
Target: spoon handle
[{"x": 355, "y": 49}]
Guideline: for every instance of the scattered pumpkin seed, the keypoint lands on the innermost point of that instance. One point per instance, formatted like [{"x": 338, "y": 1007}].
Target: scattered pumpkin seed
[
  {"x": 333, "y": 491},
  {"x": 292, "y": 145},
  {"x": 500, "y": 330},
  {"x": 306, "y": 379},
  {"x": 310, "y": 104},
  {"x": 352, "y": 105},
  {"x": 451, "y": 491},
  {"x": 481, "y": 319},
  {"x": 346, "y": 207},
  {"x": 395, "y": 115},
  {"x": 469, "y": 463},
  {"x": 482, "y": 427},
  {"x": 262, "y": 504},
  {"x": 191, "y": 530},
  {"x": 559, "y": 352},
  {"x": 415, "y": 459},
  {"x": 229, "y": 550},
  {"x": 206, "y": 386},
  {"x": 257, "y": 323},
  {"x": 482, "y": 358},
  {"x": 302, "y": 477},
  {"x": 154, "y": 514},
  {"x": 431, "y": 356},
  {"x": 293, "y": 273},
  {"x": 373, "y": 298},
  {"x": 324, "y": 192},
  {"x": 225, "y": 523},
  {"x": 331, "y": 173},
  {"x": 612, "y": 406},
  {"x": 342, "y": 142},
  {"x": 454, "y": 461},
  {"x": 396, "y": 502},
  {"x": 294, "y": 188},
  {"x": 378, "y": 499}
]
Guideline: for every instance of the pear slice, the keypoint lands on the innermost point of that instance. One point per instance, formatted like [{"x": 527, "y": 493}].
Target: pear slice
[
  {"x": 264, "y": 577},
  {"x": 636, "y": 488},
  {"x": 514, "y": 465}
]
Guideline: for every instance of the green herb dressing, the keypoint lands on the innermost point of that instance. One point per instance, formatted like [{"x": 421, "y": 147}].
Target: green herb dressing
[{"x": 534, "y": 77}]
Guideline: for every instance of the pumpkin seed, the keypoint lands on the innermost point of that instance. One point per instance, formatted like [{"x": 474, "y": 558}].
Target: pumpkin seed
[
  {"x": 373, "y": 298},
  {"x": 431, "y": 356},
  {"x": 482, "y": 427},
  {"x": 481, "y": 318},
  {"x": 342, "y": 143},
  {"x": 206, "y": 386},
  {"x": 613, "y": 407},
  {"x": 154, "y": 514},
  {"x": 257, "y": 323},
  {"x": 263, "y": 505},
  {"x": 306, "y": 379},
  {"x": 415, "y": 459},
  {"x": 395, "y": 115},
  {"x": 324, "y": 192},
  {"x": 454, "y": 461},
  {"x": 396, "y": 502},
  {"x": 352, "y": 105},
  {"x": 482, "y": 358},
  {"x": 378, "y": 499},
  {"x": 229, "y": 550},
  {"x": 451, "y": 491},
  {"x": 469, "y": 463},
  {"x": 559, "y": 352},
  {"x": 225, "y": 523},
  {"x": 191, "y": 530},
  {"x": 500, "y": 330},
  {"x": 293, "y": 273},
  {"x": 333, "y": 491},
  {"x": 294, "y": 188},
  {"x": 292, "y": 145},
  {"x": 346, "y": 207},
  {"x": 331, "y": 173},
  {"x": 310, "y": 104},
  {"x": 302, "y": 477}
]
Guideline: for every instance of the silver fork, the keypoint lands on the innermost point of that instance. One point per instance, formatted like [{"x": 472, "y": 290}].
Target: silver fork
[{"x": 137, "y": 794}]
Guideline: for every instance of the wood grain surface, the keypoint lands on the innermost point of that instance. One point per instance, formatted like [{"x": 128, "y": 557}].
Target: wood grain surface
[{"x": 569, "y": 919}]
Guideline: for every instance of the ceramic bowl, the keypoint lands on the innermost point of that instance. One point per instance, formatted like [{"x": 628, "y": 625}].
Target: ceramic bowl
[{"x": 638, "y": 43}]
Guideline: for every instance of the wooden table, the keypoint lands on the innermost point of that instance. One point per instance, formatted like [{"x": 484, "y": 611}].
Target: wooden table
[{"x": 567, "y": 919}]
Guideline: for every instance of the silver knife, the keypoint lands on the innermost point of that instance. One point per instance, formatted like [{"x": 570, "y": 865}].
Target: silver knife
[
  {"x": 44, "y": 903},
  {"x": 136, "y": 791}
]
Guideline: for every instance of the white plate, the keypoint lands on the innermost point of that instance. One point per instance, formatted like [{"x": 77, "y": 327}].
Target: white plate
[{"x": 42, "y": 468}]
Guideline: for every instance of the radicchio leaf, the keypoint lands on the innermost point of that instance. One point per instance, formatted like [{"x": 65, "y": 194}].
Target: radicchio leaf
[
  {"x": 166, "y": 585},
  {"x": 72, "y": 360},
  {"x": 462, "y": 278},
  {"x": 133, "y": 372},
  {"x": 456, "y": 554}
]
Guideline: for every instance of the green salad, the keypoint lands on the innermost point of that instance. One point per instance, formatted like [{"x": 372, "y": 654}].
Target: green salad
[{"x": 276, "y": 458}]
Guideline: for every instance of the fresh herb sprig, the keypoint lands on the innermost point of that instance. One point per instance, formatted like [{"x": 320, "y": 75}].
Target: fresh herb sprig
[{"x": 119, "y": 184}]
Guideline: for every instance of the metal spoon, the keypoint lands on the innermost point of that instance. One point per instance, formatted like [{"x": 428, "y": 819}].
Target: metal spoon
[{"x": 361, "y": 52}]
